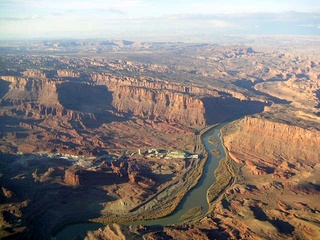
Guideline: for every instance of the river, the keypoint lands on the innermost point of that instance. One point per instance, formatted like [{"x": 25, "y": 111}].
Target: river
[{"x": 197, "y": 197}]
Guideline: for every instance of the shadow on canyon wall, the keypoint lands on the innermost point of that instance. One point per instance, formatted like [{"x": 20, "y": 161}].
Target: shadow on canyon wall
[
  {"x": 247, "y": 84},
  {"x": 94, "y": 101},
  {"x": 318, "y": 96},
  {"x": 318, "y": 106},
  {"x": 4, "y": 88},
  {"x": 281, "y": 226},
  {"x": 223, "y": 109},
  {"x": 84, "y": 97}
]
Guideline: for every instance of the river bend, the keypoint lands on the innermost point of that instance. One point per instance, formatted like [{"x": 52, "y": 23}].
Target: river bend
[{"x": 196, "y": 197}]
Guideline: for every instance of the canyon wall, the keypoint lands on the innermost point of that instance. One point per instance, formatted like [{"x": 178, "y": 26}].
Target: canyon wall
[
  {"x": 269, "y": 143},
  {"x": 110, "y": 96},
  {"x": 68, "y": 73},
  {"x": 113, "y": 83},
  {"x": 158, "y": 104},
  {"x": 175, "y": 102},
  {"x": 23, "y": 89},
  {"x": 39, "y": 111},
  {"x": 34, "y": 73},
  {"x": 115, "y": 172},
  {"x": 39, "y": 98}
]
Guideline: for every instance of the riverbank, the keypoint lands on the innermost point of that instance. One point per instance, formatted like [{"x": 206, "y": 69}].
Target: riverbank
[
  {"x": 168, "y": 200},
  {"x": 196, "y": 198},
  {"x": 227, "y": 173}
]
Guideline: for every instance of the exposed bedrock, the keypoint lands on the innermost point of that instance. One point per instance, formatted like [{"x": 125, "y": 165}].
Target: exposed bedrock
[
  {"x": 113, "y": 83},
  {"x": 115, "y": 99},
  {"x": 34, "y": 73},
  {"x": 25, "y": 89},
  {"x": 76, "y": 177},
  {"x": 39, "y": 111},
  {"x": 114, "y": 173},
  {"x": 182, "y": 108},
  {"x": 176, "y": 102},
  {"x": 270, "y": 143},
  {"x": 68, "y": 73},
  {"x": 161, "y": 105}
]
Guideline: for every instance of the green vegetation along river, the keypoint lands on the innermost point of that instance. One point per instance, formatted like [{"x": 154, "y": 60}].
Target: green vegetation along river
[{"x": 194, "y": 199}]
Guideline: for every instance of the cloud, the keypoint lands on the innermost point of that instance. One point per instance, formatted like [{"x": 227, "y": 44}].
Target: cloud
[
  {"x": 136, "y": 18},
  {"x": 221, "y": 24},
  {"x": 114, "y": 11},
  {"x": 82, "y": 4},
  {"x": 307, "y": 25},
  {"x": 14, "y": 19}
]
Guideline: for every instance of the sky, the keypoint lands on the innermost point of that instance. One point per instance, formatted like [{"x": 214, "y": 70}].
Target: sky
[{"x": 156, "y": 20}]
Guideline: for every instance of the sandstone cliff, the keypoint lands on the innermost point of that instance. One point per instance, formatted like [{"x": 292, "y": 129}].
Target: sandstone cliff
[
  {"x": 23, "y": 89},
  {"x": 113, "y": 83},
  {"x": 162, "y": 105},
  {"x": 67, "y": 73},
  {"x": 110, "y": 173},
  {"x": 189, "y": 105},
  {"x": 38, "y": 98},
  {"x": 34, "y": 73},
  {"x": 269, "y": 143},
  {"x": 171, "y": 102}
]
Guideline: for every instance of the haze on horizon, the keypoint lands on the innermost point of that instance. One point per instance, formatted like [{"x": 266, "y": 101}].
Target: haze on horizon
[{"x": 152, "y": 20}]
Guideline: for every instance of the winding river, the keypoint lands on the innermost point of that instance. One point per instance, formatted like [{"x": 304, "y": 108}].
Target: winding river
[{"x": 197, "y": 197}]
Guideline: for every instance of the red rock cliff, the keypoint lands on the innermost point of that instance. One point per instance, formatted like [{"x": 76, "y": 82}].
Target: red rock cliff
[
  {"x": 269, "y": 143},
  {"x": 160, "y": 104},
  {"x": 113, "y": 83},
  {"x": 23, "y": 89},
  {"x": 67, "y": 73}
]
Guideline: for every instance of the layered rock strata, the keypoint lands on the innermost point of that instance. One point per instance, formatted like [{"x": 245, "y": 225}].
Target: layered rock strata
[
  {"x": 157, "y": 104},
  {"x": 269, "y": 143}
]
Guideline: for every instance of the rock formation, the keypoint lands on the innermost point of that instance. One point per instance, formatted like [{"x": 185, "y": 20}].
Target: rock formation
[
  {"x": 273, "y": 142},
  {"x": 23, "y": 89},
  {"x": 68, "y": 73},
  {"x": 113, "y": 83},
  {"x": 162, "y": 105},
  {"x": 34, "y": 73},
  {"x": 114, "y": 173}
]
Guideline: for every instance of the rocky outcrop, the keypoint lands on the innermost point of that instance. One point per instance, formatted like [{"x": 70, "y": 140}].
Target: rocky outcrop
[
  {"x": 189, "y": 105},
  {"x": 113, "y": 83},
  {"x": 110, "y": 232},
  {"x": 71, "y": 177},
  {"x": 7, "y": 193},
  {"x": 14, "y": 79},
  {"x": 110, "y": 173},
  {"x": 23, "y": 89},
  {"x": 80, "y": 176},
  {"x": 34, "y": 73},
  {"x": 269, "y": 143},
  {"x": 161, "y": 105},
  {"x": 38, "y": 111},
  {"x": 67, "y": 73},
  {"x": 40, "y": 98},
  {"x": 140, "y": 174}
]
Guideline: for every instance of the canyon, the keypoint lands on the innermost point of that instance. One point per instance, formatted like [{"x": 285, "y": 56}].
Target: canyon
[{"x": 118, "y": 139}]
